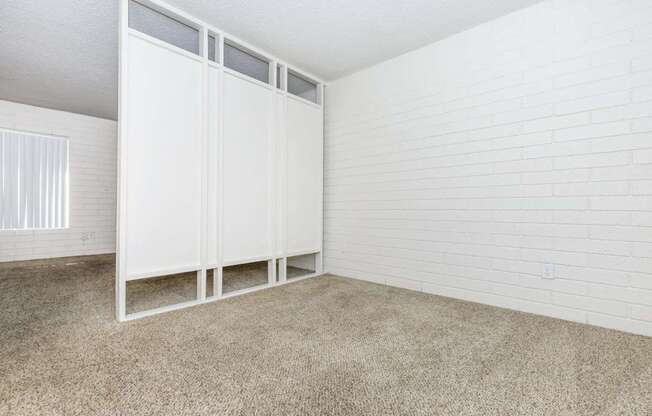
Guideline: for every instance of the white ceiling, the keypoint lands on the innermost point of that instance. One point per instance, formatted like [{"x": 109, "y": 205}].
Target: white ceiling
[{"x": 63, "y": 53}]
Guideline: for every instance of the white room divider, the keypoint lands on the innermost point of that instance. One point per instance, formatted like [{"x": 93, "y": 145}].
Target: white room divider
[
  {"x": 247, "y": 151},
  {"x": 220, "y": 155},
  {"x": 163, "y": 194},
  {"x": 304, "y": 182}
]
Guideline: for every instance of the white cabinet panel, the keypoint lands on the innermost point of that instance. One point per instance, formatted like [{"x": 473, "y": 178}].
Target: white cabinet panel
[
  {"x": 304, "y": 176},
  {"x": 163, "y": 149},
  {"x": 247, "y": 127}
]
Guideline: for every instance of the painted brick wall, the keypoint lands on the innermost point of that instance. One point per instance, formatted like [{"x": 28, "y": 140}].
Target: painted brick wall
[
  {"x": 461, "y": 168},
  {"x": 92, "y": 153}
]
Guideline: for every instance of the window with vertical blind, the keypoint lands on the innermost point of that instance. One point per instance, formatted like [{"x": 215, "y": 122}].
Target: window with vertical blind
[{"x": 33, "y": 181}]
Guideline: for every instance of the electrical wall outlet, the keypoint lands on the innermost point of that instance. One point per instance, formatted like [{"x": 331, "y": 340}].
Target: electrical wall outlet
[{"x": 548, "y": 271}]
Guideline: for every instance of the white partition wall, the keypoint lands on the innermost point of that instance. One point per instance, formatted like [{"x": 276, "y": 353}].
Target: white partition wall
[
  {"x": 163, "y": 160},
  {"x": 304, "y": 127},
  {"x": 247, "y": 155},
  {"x": 220, "y": 155}
]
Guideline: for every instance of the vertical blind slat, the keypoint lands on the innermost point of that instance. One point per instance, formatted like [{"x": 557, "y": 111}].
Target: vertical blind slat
[
  {"x": 13, "y": 180},
  {"x": 33, "y": 181}
]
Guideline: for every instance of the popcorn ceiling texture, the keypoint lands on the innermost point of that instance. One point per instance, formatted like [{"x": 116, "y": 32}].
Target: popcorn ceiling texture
[
  {"x": 61, "y": 55},
  {"x": 66, "y": 57},
  {"x": 336, "y": 37},
  {"x": 322, "y": 346}
]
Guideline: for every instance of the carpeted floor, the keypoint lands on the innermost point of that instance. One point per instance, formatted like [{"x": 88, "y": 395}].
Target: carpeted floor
[{"x": 323, "y": 346}]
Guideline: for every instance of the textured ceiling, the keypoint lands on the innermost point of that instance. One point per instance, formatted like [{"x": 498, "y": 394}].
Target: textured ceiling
[
  {"x": 60, "y": 54},
  {"x": 63, "y": 53}
]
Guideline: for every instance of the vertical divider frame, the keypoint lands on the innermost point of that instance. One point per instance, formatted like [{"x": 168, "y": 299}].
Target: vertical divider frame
[{"x": 277, "y": 174}]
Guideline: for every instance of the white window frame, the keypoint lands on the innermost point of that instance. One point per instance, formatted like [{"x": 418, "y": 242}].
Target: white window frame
[{"x": 65, "y": 202}]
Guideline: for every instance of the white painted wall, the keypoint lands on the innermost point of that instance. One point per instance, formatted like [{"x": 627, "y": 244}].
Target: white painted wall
[
  {"x": 461, "y": 168},
  {"x": 92, "y": 185}
]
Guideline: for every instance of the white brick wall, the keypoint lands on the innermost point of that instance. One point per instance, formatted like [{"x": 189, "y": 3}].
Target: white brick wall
[
  {"x": 92, "y": 152},
  {"x": 461, "y": 168}
]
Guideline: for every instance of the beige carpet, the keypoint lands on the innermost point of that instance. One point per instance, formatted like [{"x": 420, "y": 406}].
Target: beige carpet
[{"x": 323, "y": 346}]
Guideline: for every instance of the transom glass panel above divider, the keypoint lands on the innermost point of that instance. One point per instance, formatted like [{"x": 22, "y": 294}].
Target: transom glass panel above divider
[
  {"x": 213, "y": 48},
  {"x": 246, "y": 62},
  {"x": 302, "y": 87},
  {"x": 151, "y": 22}
]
